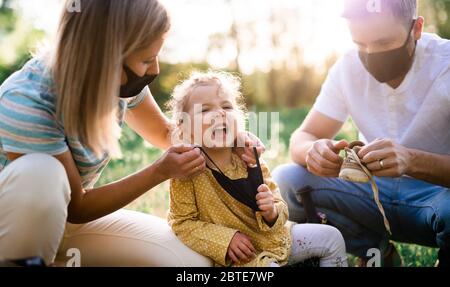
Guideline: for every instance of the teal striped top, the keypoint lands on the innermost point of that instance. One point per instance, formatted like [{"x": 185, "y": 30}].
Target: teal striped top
[{"x": 28, "y": 122}]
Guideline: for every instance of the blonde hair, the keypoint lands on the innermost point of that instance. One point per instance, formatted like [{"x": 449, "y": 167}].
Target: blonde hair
[
  {"x": 228, "y": 84},
  {"x": 87, "y": 64}
]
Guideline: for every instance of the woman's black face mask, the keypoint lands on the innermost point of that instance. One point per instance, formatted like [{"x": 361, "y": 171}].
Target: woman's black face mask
[
  {"x": 389, "y": 65},
  {"x": 135, "y": 84}
]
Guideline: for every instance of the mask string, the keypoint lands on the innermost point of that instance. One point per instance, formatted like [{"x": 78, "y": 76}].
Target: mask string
[{"x": 224, "y": 175}]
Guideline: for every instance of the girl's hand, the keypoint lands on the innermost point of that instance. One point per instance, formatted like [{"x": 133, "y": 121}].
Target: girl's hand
[
  {"x": 266, "y": 203},
  {"x": 244, "y": 147},
  {"x": 241, "y": 250},
  {"x": 181, "y": 162}
]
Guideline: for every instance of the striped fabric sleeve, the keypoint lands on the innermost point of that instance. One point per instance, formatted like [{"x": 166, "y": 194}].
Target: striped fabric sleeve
[
  {"x": 136, "y": 101},
  {"x": 28, "y": 124}
]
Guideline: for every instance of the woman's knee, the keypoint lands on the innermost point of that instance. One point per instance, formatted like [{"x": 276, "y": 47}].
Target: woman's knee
[
  {"x": 35, "y": 194},
  {"x": 38, "y": 183},
  {"x": 129, "y": 238}
]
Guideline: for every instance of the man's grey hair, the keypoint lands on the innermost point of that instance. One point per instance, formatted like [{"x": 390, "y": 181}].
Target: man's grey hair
[{"x": 403, "y": 10}]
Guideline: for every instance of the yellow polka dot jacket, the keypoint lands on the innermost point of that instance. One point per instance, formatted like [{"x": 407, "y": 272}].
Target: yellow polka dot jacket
[{"x": 205, "y": 218}]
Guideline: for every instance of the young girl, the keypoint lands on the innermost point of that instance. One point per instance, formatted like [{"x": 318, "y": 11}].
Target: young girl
[{"x": 231, "y": 213}]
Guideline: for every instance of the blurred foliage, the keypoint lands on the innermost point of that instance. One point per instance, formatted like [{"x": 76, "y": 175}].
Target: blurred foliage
[
  {"x": 7, "y": 17},
  {"x": 17, "y": 39},
  {"x": 437, "y": 12},
  {"x": 290, "y": 91}
]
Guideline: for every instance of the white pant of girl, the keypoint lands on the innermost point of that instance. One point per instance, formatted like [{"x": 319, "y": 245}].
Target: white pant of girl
[{"x": 317, "y": 241}]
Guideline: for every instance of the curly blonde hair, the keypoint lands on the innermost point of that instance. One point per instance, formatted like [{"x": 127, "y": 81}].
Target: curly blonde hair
[{"x": 228, "y": 85}]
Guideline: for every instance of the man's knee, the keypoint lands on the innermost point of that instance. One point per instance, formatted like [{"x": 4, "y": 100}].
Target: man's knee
[
  {"x": 443, "y": 222},
  {"x": 291, "y": 177}
]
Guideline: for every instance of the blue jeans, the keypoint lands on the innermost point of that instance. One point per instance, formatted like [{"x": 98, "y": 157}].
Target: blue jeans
[{"x": 418, "y": 212}]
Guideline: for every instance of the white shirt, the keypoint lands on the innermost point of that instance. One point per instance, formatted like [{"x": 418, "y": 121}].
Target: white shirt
[{"x": 415, "y": 115}]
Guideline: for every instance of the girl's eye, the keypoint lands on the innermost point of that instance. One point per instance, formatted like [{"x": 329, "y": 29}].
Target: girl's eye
[
  {"x": 228, "y": 107},
  {"x": 205, "y": 110}
]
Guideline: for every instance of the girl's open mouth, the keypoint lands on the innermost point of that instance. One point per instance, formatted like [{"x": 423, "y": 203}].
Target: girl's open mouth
[{"x": 219, "y": 131}]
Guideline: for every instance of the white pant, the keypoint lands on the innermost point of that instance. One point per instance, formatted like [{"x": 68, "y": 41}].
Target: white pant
[
  {"x": 318, "y": 241},
  {"x": 34, "y": 195}
]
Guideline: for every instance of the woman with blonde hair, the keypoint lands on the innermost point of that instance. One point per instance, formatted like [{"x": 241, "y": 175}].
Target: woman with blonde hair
[{"x": 60, "y": 120}]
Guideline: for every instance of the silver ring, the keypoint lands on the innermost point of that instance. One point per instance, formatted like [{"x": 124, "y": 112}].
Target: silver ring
[{"x": 381, "y": 164}]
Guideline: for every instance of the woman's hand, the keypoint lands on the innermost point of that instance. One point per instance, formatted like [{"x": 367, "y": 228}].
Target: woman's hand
[
  {"x": 266, "y": 203},
  {"x": 241, "y": 250},
  {"x": 246, "y": 141},
  {"x": 181, "y": 162}
]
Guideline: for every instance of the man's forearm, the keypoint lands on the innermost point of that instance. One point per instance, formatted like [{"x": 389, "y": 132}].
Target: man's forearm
[
  {"x": 301, "y": 142},
  {"x": 429, "y": 167}
]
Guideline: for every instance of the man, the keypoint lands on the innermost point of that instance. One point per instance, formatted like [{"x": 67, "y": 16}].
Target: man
[{"x": 396, "y": 87}]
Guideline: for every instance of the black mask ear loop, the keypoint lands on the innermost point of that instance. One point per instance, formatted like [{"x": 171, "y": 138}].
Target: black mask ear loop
[
  {"x": 259, "y": 170},
  {"x": 209, "y": 158},
  {"x": 415, "y": 41},
  {"x": 218, "y": 168},
  {"x": 258, "y": 166}
]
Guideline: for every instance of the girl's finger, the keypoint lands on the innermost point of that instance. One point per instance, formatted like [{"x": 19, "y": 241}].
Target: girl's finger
[
  {"x": 264, "y": 194},
  {"x": 243, "y": 247},
  {"x": 233, "y": 256},
  {"x": 265, "y": 201},
  {"x": 267, "y": 207},
  {"x": 249, "y": 245},
  {"x": 240, "y": 255}
]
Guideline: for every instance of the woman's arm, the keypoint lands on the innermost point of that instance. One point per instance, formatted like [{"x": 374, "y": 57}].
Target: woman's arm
[
  {"x": 150, "y": 123},
  {"x": 89, "y": 205}
]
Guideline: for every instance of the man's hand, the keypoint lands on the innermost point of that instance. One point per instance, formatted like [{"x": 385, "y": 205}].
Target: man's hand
[
  {"x": 385, "y": 158},
  {"x": 266, "y": 203},
  {"x": 241, "y": 250},
  {"x": 323, "y": 157}
]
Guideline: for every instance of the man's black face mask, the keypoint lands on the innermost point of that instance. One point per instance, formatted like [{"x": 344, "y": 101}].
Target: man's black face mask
[
  {"x": 389, "y": 65},
  {"x": 135, "y": 84}
]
